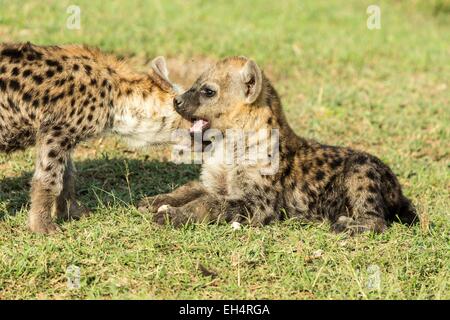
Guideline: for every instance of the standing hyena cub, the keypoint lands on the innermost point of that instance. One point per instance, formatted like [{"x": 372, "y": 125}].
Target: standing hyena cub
[
  {"x": 55, "y": 97},
  {"x": 353, "y": 189}
]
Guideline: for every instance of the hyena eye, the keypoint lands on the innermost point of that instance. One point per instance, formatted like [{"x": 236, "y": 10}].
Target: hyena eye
[{"x": 208, "y": 92}]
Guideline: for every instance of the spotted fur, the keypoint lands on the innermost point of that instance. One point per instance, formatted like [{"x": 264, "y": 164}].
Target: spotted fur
[
  {"x": 54, "y": 97},
  {"x": 354, "y": 190}
]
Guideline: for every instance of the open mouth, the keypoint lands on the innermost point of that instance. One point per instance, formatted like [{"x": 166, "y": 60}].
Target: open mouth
[{"x": 199, "y": 125}]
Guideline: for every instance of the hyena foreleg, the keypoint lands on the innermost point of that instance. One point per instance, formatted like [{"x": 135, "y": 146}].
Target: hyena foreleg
[
  {"x": 177, "y": 198},
  {"x": 47, "y": 184},
  {"x": 204, "y": 209},
  {"x": 66, "y": 205}
]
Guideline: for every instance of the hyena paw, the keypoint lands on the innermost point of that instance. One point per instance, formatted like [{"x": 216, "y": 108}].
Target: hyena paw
[
  {"x": 73, "y": 210},
  {"x": 44, "y": 227},
  {"x": 78, "y": 211},
  {"x": 343, "y": 224},
  {"x": 167, "y": 214},
  {"x": 353, "y": 227},
  {"x": 151, "y": 204}
]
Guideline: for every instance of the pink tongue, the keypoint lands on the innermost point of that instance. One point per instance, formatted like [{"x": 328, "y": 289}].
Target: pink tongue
[{"x": 198, "y": 125}]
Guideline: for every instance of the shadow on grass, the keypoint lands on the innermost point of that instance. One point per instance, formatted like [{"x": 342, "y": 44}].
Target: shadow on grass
[{"x": 105, "y": 181}]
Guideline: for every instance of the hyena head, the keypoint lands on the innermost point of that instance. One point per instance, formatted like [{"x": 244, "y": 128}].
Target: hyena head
[
  {"x": 221, "y": 95},
  {"x": 146, "y": 115}
]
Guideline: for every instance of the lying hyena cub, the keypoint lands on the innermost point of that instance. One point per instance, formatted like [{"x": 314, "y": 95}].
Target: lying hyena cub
[
  {"x": 55, "y": 97},
  {"x": 353, "y": 189}
]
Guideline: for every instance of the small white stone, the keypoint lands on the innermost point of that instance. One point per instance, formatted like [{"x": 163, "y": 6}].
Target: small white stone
[
  {"x": 236, "y": 225},
  {"x": 317, "y": 254},
  {"x": 164, "y": 207}
]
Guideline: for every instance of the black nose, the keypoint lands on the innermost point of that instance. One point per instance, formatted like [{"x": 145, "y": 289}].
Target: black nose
[{"x": 178, "y": 102}]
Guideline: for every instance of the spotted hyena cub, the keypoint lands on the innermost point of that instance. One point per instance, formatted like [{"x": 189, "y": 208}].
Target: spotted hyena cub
[
  {"x": 353, "y": 189},
  {"x": 55, "y": 97}
]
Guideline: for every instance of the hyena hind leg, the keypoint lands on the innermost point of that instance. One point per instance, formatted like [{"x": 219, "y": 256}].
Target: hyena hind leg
[
  {"x": 67, "y": 206},
  {"x": 364, "y": 212},
  {"x": 368, "y": 222},
  {"x": 177, "y": 198}
]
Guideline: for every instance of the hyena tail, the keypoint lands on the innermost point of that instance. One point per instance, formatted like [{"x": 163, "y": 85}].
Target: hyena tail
[{"x": 407, "y": 213}]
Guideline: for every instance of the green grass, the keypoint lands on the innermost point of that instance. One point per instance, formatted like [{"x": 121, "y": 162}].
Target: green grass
[{"x": 385, "y": 91}]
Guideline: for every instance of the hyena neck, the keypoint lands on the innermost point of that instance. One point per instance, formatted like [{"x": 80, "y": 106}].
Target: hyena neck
[
  {"x": 267, "y": 134},
  {"x": 272, "y": 117},
  {"x": 143, "y": 112}
]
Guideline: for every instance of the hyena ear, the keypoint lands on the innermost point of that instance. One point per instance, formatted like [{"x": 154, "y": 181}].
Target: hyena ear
[
  {"x": 159, "y": 67},
  {"x": 252, "y": 81}
]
